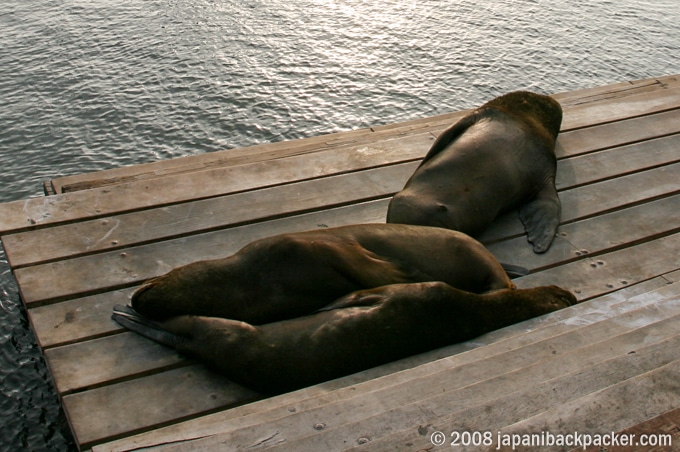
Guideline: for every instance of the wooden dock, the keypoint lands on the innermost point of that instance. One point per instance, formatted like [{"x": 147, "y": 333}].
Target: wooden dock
[{"x": 609, "y": 364}]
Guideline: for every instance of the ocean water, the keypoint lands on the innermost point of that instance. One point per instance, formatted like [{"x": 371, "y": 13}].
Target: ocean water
[{"x": 87, "y": 85}]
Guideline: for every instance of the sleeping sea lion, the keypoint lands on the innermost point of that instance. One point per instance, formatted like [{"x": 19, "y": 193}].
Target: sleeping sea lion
[
  {"x": 359, "y": 331},
  {"x": 498, "y": 158},
  {"x": 294, "y": 274}
]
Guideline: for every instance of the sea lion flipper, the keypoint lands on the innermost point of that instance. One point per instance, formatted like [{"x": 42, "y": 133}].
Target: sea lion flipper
[
  {"x": 541, "y": 217},
  {"x": 368, "y": 269},
  {"x": 356, "y": 299},
  {"x": 130, "y": 319},
  {"x": 449, "y": 135}
]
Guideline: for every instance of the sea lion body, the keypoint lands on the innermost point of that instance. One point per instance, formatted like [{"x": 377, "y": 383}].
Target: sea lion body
[
  {"x": 294, "y": 274},
  {"x": 359, "y": 331},
  {"x": 497, "y": 158}
]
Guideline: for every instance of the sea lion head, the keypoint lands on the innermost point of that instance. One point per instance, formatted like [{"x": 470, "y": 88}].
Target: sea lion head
[
  {"x": 542, "y": 111},
  {"x": 442, "y": 207},
  {"x": 175, "y": 292},
  {"x": 420, "y": 209}
]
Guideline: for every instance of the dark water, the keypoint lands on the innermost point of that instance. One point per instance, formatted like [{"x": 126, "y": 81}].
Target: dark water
[{"x": 87, "y": 85}]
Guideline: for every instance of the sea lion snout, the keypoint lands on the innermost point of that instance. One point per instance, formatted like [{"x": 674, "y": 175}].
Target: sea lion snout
[{"x": 422, "y": 211}]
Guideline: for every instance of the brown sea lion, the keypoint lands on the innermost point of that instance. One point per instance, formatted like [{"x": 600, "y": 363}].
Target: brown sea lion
[
  {"x": 359, "y": 331},
  {"x": 498, "y": 158},
  {"x": 295, "y": 274}
]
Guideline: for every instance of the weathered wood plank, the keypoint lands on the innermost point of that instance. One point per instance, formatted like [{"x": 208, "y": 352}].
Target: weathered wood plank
[
  {"x": 609, "y": 372},
  {"x": 106, "y": 360},
  {"x": 618, "y": 133},
  {"x": 78, "y": 319},
  {"x": 174, "y": 189},
  {"x": 615, "y": 109},
  {"x": 621, "y": 89},
  {"x": 86, "y": 237},
  {"x": 454, "y": 390},
  {"x": 141, "y": 404},
  {"x": 494, "y": 343},
  {"x": 632, "y": 381},
  {"x": 132, "y": 265},
  {"x": 651, "y": 394},
  {"x": 41, "y": 245},
  {"x": 227, "y": 157},
  {"x": 600, "y": 274},
  {"x": 662, "y": 430},
  {"x": 617, "y": 162}
]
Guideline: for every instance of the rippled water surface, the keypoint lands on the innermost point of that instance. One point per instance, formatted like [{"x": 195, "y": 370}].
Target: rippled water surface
[{"x": 87, "y": 85}]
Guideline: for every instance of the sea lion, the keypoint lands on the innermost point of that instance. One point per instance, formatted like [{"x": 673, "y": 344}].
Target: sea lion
[
  {"x": 359, "y": 331},
  {"x": 498, "y": 158},
  {"x": 294, "y": 274}
]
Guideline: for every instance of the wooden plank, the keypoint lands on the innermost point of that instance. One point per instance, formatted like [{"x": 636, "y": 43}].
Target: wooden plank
[
  {"x": 598, "y": 396},
  {"x": 472, "y": 387},
  {"x": 242, "y": 156},
  {"x": 174, "y": 189},
  {"x": 87, "y": 237},
  {"x": 78, "y": 319},
  {"x": 663, "y": 429},
  {"x": 615, "y": 109},
  {"x": 617, "y": 162},
  {"x": 588, "y": 278},
  {"x": 133, "y": 406},
  {"x": 672, "y": 277},
  {"x": 227, "y": 157},
  {"x": 495, "y": 343},
  {"x": 107, "y": 360},
  {"x": 652, "y": 394},
  {"x": 119, "y": 268},
  {"x": 618, "y": 133},
  {"x": 621, "y": 89}
]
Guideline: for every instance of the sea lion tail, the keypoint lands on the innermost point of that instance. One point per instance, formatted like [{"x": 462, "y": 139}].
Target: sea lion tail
[
  {"x": 515, "y": 271},
  {"x": 126, "y": 316}
]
